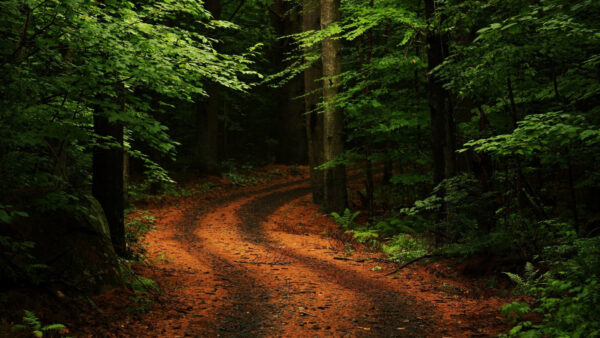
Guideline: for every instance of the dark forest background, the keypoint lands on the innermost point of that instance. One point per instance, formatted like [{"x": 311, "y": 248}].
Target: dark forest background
[{"x": 473, "y": 124}]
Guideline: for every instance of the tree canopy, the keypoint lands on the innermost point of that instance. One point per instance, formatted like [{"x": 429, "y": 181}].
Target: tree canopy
[{"x": 473, "y": 126}]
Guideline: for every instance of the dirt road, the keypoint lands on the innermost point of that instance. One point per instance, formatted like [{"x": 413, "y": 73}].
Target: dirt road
[{"x": 259, "y": 261}]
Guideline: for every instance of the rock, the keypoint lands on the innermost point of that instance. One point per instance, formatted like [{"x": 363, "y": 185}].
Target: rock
[
  {"x": 97, "y": 220},
  {"x": 75, "y": 245}
]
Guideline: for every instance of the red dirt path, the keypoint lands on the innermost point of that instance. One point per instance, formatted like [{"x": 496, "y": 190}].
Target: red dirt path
[{"x": 258, "y": 261}]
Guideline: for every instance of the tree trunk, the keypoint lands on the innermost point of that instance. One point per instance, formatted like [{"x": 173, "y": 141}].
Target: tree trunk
[
  {"x": 291, "y": 146},
  {"x": 207, "y": 126},
  {"x": 126, "y": 174},
  {"x": 388, "y": 165},
  {"x": 311, "y": 20},
  {"x": 370, "y": 182},
  {"x": 440, "y": 107},
  {"x": 573, "y": 198},
  {"x": 107, "y": 179},
  {"x": 207, "y": 111},
  {"x": 335, "y": 177}
]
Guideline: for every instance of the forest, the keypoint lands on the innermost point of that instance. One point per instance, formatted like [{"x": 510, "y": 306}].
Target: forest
[{"x": 300, "y": 168}]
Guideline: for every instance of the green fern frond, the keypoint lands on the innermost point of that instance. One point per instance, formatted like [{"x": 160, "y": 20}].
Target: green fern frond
[
  {"x": 53, "y": 327},
  {"x": 515, "y": 278}
]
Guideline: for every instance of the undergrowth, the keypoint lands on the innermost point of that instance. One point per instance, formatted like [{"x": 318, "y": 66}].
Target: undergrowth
[
  {"x": 567, "y": 294},
  {"x": 143, "y": 191},
  {"x": 562, "y": 280},
  {"x": 32, "y": 324},
  {"x": 137, "y": 225},
  {"x": 390, "y": 235},
  {"x": 145, "y": 289}
]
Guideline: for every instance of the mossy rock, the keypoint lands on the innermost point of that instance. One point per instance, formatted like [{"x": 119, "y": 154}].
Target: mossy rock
[{"x": 75, "y": 246}]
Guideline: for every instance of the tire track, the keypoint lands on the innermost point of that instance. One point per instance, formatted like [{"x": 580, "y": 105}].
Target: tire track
[{"x": 386, "y": 307}]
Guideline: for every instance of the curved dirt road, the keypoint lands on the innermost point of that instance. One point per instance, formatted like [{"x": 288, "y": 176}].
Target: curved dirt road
[{"x": 254, "y": 262}]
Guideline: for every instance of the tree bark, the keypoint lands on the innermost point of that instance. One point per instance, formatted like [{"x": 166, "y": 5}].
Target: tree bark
[
  {"x": 440, "y": 107},
  {"x": 335, "y": 198},
  {"x": 107, "y": 178},
  {"x": 126, "y": 174},
  {"x": 207, "y": 111},
  {"x": 207, "y": 125},
  {"x": 291, "y": 147},
  {"x": 388, "y": 165},
  {"x": 311, "y": 20}
]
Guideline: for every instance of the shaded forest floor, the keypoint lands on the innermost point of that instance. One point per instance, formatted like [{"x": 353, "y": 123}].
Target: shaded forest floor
[{"x": 262, "y": 260}]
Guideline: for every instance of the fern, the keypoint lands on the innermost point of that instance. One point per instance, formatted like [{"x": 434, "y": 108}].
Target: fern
[
  {"x": 515, "y": 279},
  {"x": 347, "y": 219},
  {"x": 32, "y": 322},
  {"x": 365, "y": 236}
]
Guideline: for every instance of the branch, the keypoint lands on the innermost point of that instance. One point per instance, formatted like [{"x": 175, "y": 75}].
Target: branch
[
  {"x": 410, "y": 262},
  {"x": 265, "y": 263},
  {"x": 362, "y": 260},
  {"x": 236, "y": 10}
]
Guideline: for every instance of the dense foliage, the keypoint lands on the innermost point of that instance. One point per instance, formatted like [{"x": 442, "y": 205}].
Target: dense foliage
[
  {"x": 523, "y": 96},
  {"x": 63, "y": 60},
  {"x": 65, "y": 63},
  {"x": 482, "y": 116}
]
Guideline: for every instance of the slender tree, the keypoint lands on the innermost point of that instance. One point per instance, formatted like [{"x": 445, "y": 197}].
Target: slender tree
[
  {"x": 335, "y": 198},
  {"x": 207, "y": 110},
  {"x": 440, "y": 106},
  {"x": 107, "y": 176},
  {"x": 291, "y": 135},
  {"x": 311, "y": 20}
]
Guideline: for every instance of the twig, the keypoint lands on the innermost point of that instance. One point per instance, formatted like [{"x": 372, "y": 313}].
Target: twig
[
  {"x": 236, "y": 10},
  {"x": 264, "y": 263},
  {"x": 342, "y": 259},
  {"x": 362, "y": 260},
  {"x": 409, "y": 263}
]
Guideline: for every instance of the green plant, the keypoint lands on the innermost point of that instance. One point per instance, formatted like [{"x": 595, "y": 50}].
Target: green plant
[
  {"x": 174, "y": 190},
  {"x": 365, "y": 236},
  {"x": 203, "y": 188},
  {"x": 163, "y": 258},
  {"x": 138, "y": 191},
  {"x": 241, "y": 179},
  {"x": 346, "y": 220},
  {"x": 404, "y": 247},
  {"x": 515, "y": 311},
  {"x": 137, "y": 225},
  {"x": 32, "y": 323},
  {"x": 144, "y": 288},
  {"x": 396, "y": 224},
  {"x": 16, "y": 259},
  {"x": 567, "y": 294}
]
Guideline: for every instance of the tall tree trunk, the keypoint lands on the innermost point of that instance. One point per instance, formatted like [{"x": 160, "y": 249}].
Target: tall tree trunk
[
  {"x": 573, "y": 201},
  {"x": 207, "y": 125},
  {"x": 107, "y": 178},
  {"x": 370, "y": 182},
  {"x": 291, "y": 147},
  {"x": 126, "y": 176},
  {"x": 388, "y": 165},
  {"x": 311, "y": 20},
  {"x": 440, "y": 107},
  {"x": 335, "y": 177},
  {"x": 207, "y": 111}
]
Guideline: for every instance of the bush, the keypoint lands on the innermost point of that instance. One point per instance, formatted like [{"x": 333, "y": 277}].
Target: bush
[
  {"x": 136, "y": 227},
  {"x": 568, "y": 293}
]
